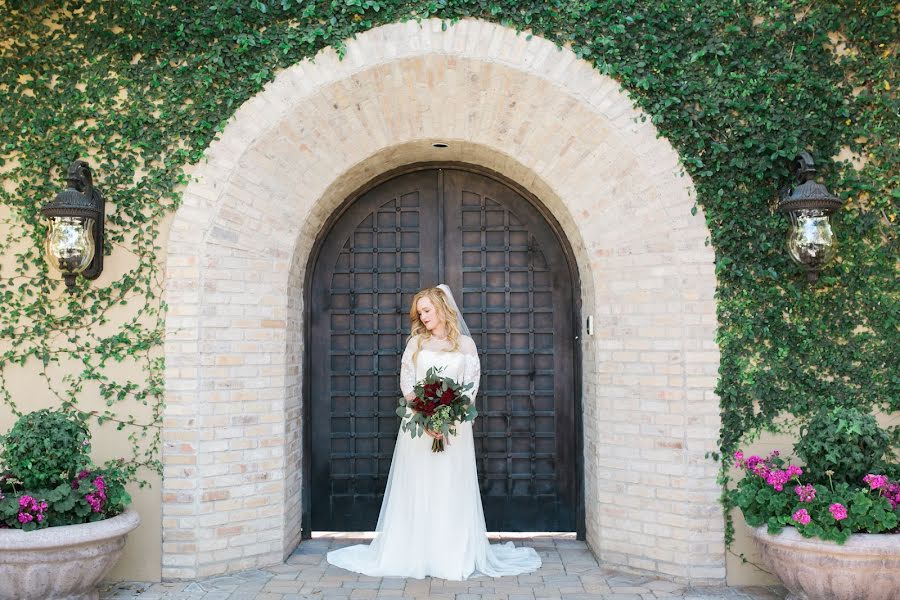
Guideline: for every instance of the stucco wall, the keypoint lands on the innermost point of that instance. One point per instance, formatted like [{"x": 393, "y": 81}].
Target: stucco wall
[{"x": 29, "y": 390}]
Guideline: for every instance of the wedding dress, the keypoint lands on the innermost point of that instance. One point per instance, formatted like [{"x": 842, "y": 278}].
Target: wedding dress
[{"x": 431, "y": 520}]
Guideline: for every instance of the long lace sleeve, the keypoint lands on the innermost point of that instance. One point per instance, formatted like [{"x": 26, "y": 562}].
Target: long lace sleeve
[
  {"x": 407, "y": 368},
  {"x": 472, "y": 370}
]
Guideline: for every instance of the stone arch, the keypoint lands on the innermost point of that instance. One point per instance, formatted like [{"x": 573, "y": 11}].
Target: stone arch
[{"x": 240, "y": 243}]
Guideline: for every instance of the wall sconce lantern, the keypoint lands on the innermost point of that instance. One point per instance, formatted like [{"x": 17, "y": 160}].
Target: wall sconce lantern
[
  {"x": 810, "y": 240},
  {"x": 74, "y": 243}
]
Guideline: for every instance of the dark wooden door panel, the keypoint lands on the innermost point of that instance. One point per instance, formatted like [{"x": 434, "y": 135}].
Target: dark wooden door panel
[
  {"x": 378, "y": 254},
  {"x": 511, "y": 278},
  {"x": 516, "y": 297}
]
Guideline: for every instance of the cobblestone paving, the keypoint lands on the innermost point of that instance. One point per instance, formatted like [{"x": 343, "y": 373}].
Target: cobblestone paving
[{"x": 569, "y": 571}]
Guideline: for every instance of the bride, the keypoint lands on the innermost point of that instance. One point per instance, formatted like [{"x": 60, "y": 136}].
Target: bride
[{"x": 431, "y": 521}]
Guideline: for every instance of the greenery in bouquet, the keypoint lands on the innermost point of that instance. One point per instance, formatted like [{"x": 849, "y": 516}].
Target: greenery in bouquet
[
  {"x": 440, "y": 404},
  {"x": 47, "y": 477},
  {"x": 845, "y": 487}
]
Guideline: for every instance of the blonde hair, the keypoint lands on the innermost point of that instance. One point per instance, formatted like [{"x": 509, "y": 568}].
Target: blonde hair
[{"x": 417, "y": 327}]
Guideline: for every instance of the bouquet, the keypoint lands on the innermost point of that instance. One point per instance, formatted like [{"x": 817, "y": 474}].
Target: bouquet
[{"x": 440, "y": 404}]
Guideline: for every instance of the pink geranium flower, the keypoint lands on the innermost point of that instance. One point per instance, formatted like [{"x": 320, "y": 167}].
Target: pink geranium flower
[
  {"x": 876, "y": 482},
  {"x": 753, "y": 461},
  {"x": 807, "y": 493},
  {"x": 802, "y": 517},
  {"x": 96, "y": 499},
  {"x": 777, "y": 479},
  {"x": 838, "y": 511},
  {"x": 30, "y": 509},
  {"x": 892, "y": 493}
]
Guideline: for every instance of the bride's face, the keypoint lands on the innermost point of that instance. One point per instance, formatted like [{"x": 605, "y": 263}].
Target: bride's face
[{"x": 431, "y": 317}]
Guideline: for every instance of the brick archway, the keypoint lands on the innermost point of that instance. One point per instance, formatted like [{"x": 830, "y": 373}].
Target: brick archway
[{"x": 240, "y": 245}]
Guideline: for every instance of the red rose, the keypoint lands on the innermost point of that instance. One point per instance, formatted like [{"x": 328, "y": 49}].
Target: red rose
[
  {"x": 429, "y": 408},
  {"x": 447, "y": 397}
]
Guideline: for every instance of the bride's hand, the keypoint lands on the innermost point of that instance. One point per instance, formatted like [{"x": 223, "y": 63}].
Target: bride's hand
[{"x": 434, "y": 434}]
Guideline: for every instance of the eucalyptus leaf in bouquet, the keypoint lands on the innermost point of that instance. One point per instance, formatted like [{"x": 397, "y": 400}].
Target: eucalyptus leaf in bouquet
[{"x": 440, "y": 404}]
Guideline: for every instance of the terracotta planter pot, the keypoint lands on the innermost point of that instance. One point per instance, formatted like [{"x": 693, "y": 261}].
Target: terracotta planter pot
[
  {"x": 865, "y": 567},
  {"x": 61, "y": 563}
]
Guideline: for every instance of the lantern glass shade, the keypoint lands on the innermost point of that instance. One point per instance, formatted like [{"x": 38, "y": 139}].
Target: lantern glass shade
[
  {"x": 69, "y": 245},
  {"x": 811, "y": 242}
]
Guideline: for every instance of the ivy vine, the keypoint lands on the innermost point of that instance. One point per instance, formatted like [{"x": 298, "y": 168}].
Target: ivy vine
[{"x": 140, "y": 88}]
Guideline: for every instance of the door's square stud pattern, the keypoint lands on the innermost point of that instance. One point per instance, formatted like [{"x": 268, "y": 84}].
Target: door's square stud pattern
[
  {"x": 508, "y": 304},
  {"x": 491, "y": 246},
  {"x": 375, "y": 277}
]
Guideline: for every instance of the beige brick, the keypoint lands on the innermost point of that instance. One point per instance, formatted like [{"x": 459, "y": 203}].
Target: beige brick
[{"x": 240, "y": 242}]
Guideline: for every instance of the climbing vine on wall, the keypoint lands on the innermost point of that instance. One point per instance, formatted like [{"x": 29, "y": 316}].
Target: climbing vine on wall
[{"x": 140, "y": 88}]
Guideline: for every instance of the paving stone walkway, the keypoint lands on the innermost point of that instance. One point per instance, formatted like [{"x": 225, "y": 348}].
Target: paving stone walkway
[{"x": 569, "y": 571}]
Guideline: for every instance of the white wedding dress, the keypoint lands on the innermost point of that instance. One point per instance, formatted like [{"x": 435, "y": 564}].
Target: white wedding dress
[{"x": 431, "y": 521}]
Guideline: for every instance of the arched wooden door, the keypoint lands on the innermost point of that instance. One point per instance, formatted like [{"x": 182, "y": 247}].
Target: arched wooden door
[{"x": 512, "y": 278}]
